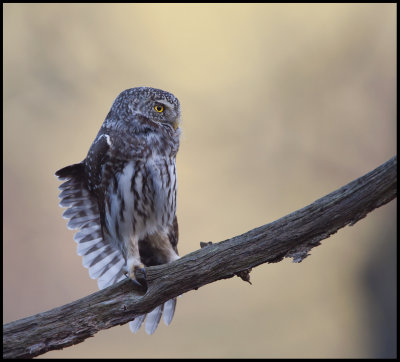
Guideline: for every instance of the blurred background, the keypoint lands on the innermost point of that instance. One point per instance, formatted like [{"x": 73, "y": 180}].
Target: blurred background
[{"x": 282, "y": 104}]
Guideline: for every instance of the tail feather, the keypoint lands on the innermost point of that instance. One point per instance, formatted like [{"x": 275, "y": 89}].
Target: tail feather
[
  {"x": 153, "y": 318},
  {"x": 136, "y": 323},
  {"x": 169, "y": 311}
]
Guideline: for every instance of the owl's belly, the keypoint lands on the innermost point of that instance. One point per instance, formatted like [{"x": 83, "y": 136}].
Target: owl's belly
[{"x": 142, "y": 200}]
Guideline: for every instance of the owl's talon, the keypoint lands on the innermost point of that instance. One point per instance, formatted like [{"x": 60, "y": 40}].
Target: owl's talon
[
  {"x": 139, "y": 285},
  {"x": 140, "y": 277}
]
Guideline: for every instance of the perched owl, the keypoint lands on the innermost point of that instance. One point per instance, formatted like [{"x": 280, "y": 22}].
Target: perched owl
[{"x": 122, "y": 196}]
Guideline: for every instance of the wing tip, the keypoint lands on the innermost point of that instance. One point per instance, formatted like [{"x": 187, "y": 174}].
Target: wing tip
[{"x": 70, "y": 171}]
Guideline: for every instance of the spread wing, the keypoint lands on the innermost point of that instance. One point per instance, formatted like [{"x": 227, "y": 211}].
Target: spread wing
[{"x": 104, "y": 262}]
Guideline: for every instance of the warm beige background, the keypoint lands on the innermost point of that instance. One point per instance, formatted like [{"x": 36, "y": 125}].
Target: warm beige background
[{"x": 281, "y": 105}]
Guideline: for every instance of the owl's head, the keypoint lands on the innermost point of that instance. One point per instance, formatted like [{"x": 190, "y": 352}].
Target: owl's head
[{"x": 147, "y": 103}]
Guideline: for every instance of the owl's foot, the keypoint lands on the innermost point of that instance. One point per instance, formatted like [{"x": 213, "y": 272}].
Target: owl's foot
[
  {"x": 139, "y": 274},
  {"x": 136, "y": 272},
  {"x": 138, "y": 277}
]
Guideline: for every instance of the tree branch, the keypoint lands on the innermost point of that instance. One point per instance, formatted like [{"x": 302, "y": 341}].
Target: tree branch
[{"x": 293, "y": 235}]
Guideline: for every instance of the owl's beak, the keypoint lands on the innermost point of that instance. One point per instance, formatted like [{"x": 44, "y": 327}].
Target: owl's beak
[{"x": 176, "y": 123}]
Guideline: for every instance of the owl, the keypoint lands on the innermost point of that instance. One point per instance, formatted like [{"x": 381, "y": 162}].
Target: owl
[{"x": 122, "y": 196}]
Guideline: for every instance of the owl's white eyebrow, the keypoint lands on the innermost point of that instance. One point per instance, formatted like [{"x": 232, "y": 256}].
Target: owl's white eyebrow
[{"x": 165, "y": 103}]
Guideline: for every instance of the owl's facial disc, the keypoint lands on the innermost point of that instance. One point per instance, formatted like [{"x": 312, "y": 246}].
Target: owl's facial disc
[{"x": 171, "y": 113}]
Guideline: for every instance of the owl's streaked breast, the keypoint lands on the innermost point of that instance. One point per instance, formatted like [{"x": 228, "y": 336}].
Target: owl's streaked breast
[
  {"x": 141, "y": 200},
  {"x": 162, "y": 173}
]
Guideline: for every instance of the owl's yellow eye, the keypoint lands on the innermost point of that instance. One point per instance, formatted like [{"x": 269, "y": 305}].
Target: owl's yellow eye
[{"x": 159, "y": 108}]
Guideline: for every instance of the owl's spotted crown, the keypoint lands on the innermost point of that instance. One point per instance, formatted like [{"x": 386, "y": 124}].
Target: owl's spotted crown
[{"x": 145, "y": 93}]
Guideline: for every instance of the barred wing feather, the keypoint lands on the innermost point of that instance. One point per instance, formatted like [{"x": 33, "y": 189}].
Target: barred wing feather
[{"x": 104, "y": 262}]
